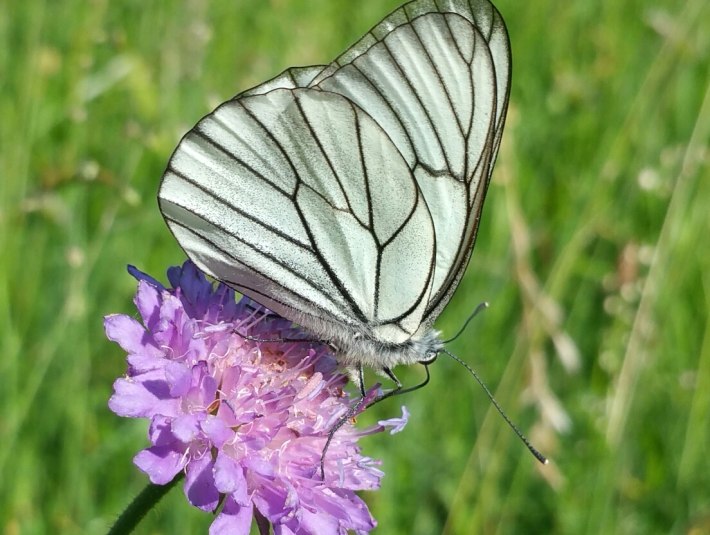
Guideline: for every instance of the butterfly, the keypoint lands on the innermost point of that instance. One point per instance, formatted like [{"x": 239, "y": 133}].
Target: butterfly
[{"x": 347, "y": 197}]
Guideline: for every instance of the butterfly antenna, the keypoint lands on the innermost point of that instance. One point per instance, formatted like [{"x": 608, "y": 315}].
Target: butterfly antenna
[
  {"x": 539, "y": 456},
  {"x": 479, "y": 308}
]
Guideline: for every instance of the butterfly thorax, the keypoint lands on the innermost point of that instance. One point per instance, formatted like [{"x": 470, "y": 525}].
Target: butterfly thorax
[{"x": 354, "y": 348}]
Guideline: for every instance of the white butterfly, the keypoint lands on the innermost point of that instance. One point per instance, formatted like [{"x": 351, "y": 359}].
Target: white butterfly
[{"x": 347, "y": 197}]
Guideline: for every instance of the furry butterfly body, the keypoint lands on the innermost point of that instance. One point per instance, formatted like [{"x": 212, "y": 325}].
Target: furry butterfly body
[{"x": 347, "y": 197}]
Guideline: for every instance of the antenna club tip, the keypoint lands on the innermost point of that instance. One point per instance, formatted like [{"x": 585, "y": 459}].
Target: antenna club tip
[{"x": 539, "y": 456}]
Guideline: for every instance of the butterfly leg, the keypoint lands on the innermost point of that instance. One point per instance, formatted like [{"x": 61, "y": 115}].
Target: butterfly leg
[
  {"x": 398, "y": 390},
  {"x": 389, "y": 373},
  {"x": 358, "y": 377},
  {"x": 395, "y": 391}
]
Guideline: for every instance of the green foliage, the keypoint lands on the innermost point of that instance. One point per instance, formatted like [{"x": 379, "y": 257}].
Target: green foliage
[{"x": 591, "y": 252}]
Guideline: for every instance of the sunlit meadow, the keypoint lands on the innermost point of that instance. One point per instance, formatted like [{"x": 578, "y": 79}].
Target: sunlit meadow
[{"x": 591, "y": 252}]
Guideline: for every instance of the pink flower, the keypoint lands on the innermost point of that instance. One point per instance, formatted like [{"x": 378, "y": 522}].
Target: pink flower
[{"x": 246, "y": 421}]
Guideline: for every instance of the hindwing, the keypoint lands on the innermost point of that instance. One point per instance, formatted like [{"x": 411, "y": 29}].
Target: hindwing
[
  {"x": 288, "y": 197},
  {"x": 348, "y": 196}
]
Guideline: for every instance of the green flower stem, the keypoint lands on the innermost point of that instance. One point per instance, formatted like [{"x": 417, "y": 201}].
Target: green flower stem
[{"x": 140, "y": 505}]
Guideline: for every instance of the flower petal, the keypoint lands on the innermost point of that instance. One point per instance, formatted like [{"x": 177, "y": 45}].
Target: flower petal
[
  {"x": 130, "y": 335},
  {"x": 229, "y": 478},
  {"x": 317, "y": 523},
  {"x": 141, "y": 398},
  {"x": 199, "y": 484},
  {"x": 161, "y": 463},
  {"x": 271, "y": 499},
  {"x": 259, "y": 465},
  {"x": 395, "y": 425},
  {"x": 234, "y": 519},
  {"x": 179, "y": 377},
  {"x": 187, "y": 427},
  {"x": 161, "y": 433},
  {"x": 144, "y": 363},
  {"x": 138, "y": 274},
  {"x": 217, "y": 431},
  {"x": 148, "y": 300}
]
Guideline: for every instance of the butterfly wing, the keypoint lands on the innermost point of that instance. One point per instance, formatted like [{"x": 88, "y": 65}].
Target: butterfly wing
[
  {"x": 348, "y": 196},
  {"x": 288, "y": 197},
  {"x": 435, "y": 76},
  {"x": 291, "y": 78}
]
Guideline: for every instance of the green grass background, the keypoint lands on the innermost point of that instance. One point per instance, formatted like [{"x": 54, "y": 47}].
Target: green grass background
[{"x": 593, "y": 252}]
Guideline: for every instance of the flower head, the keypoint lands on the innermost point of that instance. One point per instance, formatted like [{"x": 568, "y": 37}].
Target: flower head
[{"x": 242, "y": 412}]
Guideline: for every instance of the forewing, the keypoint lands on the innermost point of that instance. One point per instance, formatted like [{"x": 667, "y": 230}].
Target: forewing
[
  {"x": 298, "y": 199},
  {"x": 435, "y": 76}
]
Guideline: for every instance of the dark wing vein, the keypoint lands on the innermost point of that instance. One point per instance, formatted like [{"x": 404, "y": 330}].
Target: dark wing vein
[
  {"x": 199, "y": 132},
  {"x": 430, "y": 273},
  {"x": 256, "y": 270},
  {"x": 399, "y": 229},
  {"x": 416, "y": 95},
  {"x": 388, "y": 100},
  {"x": 315, "y": 137},
  {"x": 365, "y": 176},
  {"x": 236, "y": 209},
  {"x": 333, "y": 276},
  {"x": 439, "y": 77}
]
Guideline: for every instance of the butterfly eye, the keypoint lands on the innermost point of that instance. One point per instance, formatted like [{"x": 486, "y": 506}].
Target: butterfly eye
[{"x": 429, "y": 358}]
